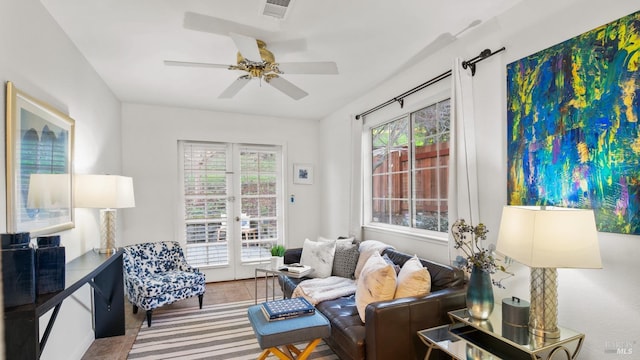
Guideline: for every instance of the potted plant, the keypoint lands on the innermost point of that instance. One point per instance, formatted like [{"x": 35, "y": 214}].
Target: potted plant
[{"x": 277, "y": 256}]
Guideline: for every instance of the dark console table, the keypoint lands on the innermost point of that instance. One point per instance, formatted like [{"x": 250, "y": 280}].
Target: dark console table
[{"x": 103, "y": 272}]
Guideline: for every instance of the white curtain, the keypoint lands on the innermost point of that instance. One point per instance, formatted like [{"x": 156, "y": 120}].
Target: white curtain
[{"x": 463, "y": 177}]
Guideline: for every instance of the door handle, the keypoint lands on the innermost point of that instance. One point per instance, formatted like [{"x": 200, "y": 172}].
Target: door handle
[{"x": 237, "y": 218}]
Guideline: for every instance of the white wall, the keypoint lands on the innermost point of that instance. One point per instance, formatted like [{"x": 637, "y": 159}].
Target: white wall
[
  {"x": 41, "y": 61},
  {"x": 604, "y": 304},
  {"x": 150, "y": 144}
]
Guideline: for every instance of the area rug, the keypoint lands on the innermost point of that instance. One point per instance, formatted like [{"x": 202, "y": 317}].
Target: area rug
[{"x": 219, "y": 331}]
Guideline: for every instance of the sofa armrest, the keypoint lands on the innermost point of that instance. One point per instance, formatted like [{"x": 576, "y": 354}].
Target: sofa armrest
[
  {"x": 392, "y": 326},
  {"x": 292, "y": 255}
]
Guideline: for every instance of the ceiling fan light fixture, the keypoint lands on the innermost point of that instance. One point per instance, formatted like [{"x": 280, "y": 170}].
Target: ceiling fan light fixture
[
  {"x": 257, "y": 62},
  {"x": 265, "y": 55}
]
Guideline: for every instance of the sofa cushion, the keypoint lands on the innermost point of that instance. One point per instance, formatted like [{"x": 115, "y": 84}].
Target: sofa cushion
[
  {"x": 377, "y": 282},
  {"x": 413, "y": 279},
  {"x": 345, "y": 260},
  {"x": 442, "y": 276},
  {"x": 396, "y": 267},
  {"x": 319, "y": 255},
  {"x": 368, "y": 248},
  {"x": 348, "y": 333}
]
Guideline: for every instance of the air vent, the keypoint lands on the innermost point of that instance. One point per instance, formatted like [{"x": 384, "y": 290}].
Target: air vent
[{"x": 276, "y": 8}]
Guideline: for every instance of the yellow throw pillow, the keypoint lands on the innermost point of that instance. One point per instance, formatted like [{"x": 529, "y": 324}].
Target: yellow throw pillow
[
  {"x": 367, "y": 248},
  {"x": 413, "y": 279},
  {"x": 377, "y": 282}
]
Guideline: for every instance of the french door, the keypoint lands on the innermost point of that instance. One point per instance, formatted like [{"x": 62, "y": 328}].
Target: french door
[{"x": 232, "y": 206}]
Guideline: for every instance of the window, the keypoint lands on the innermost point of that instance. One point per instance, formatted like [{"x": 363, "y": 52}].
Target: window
[{"x": 409, "y": 169}]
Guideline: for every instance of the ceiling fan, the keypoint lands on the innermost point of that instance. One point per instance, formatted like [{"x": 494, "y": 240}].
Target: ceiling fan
[{"x": 259, "y": 63}]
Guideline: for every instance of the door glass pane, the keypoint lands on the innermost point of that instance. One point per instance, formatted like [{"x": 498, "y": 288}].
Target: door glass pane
[
  {"x": 205, "y": 201},
  {"x": 259, "y": 175}
]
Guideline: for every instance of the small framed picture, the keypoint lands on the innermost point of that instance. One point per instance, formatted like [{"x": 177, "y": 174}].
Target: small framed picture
[{"x": 303, "y": 174}]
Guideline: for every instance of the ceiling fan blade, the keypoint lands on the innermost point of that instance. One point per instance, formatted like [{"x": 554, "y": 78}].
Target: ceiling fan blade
[
  {"x": 320, "y": 67},
  {"x": 195, "y": 64},
  {"x": 287, "y": 46},
  {"x": 210, "y": 24},
  {"x": 235, "y": 86},
  {"x": 247, "y": 46},
  {"x": 287, "y": 88}
]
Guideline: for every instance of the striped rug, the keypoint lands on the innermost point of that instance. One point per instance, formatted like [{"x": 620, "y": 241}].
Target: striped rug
[{"x": 219, "y": 331}]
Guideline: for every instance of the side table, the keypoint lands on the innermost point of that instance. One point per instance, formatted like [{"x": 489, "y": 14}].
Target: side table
[
  {"x": 269, "y": 271},
  {"x": 485, "y": 340}
]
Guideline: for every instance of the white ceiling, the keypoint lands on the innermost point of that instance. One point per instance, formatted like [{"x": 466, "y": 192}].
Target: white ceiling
[{"x": 126, "y": 41}]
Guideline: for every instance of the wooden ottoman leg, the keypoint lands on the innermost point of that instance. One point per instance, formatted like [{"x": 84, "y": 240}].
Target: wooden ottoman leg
[
  {"x": 275, "y": 351},
  {"x": 264, "y": 354},
  {"x": 308, "y": 350}
]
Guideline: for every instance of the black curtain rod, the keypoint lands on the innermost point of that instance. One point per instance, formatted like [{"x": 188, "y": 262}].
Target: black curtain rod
[{"x": 471, "y": 63}]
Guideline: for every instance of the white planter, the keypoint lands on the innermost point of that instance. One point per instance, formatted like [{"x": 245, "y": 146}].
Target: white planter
[{"x": 277, "y": 262}]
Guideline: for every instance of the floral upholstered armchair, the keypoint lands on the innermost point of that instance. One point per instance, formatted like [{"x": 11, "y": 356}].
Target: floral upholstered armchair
[{"x": 157, "y": 274}]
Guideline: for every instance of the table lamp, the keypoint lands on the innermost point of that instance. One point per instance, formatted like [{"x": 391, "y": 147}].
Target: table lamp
[
  {"x": 546, "y": 238},
  {"x": 107, "y": 193}
]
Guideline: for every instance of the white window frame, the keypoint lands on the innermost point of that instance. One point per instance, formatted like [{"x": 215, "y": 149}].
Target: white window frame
[{"x": 367, "y": 193}]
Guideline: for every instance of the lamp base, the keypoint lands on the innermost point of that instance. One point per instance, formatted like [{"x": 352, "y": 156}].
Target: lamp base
[
  {"x": 107, "y": 232},
  {"x": 108, "y": 251},
  {"x": 543, "y": 313}
]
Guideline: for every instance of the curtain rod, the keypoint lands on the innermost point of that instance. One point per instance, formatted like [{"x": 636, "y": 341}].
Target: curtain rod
[{"x": 471, "y": 63}]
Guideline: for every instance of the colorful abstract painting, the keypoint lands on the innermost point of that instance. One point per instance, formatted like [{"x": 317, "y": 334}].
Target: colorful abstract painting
[{"x": 573, "y": 138}]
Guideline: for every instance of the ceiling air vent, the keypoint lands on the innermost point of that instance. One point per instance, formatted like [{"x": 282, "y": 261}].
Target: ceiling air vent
[{"x": 276, "y": 8}]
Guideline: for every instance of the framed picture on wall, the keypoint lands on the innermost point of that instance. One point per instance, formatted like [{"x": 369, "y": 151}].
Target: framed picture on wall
[
  {"x": 572, "y": 125},
  {"x": 303, "y": 174},
  {"x": 39, "y": 165}
]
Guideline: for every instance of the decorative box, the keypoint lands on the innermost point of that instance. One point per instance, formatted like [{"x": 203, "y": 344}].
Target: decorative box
[
  {"x": 50, "y": 269},
  {"x": 48, "y": 241},
  {"x": 15, "y": 241},
  {"x": 515, "y": 320},
  {"x": 18, "y": 276}
]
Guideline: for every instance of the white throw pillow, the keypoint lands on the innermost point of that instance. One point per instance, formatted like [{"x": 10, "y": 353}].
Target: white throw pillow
[
  {"x": 368, "y": 248},
  {"x": 413, "y": 279},
  {"x": 377, "y": 282},
  {"x": 338, "y": 241},
  {"x": 318, "y": 255}
]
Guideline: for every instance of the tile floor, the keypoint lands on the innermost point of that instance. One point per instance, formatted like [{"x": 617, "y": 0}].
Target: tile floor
[{"x": 117, "y": 347}]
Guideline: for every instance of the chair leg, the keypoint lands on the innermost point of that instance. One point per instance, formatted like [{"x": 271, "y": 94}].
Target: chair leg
[
  {"x": 200, "y": 300},
  {"x": 135, "y": 309},
  {"x": 149, "y": 318}
]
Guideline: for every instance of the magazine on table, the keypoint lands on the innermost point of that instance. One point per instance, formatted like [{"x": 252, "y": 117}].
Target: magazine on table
[
  {"x": 287, "y": 308},
  {"x": 296, "y": 268}
]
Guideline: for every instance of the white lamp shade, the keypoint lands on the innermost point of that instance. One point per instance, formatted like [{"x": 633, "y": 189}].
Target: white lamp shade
[
  {"x": 104, "y": 191},
  {"x": 49, "y": 191},
  {"x": 550, "y": 237}
]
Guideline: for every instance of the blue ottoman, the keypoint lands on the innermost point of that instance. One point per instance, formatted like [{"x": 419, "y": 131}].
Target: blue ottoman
[{"x": 285, "y": 333}]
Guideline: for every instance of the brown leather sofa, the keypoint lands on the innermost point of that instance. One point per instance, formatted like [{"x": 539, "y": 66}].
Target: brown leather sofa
[{"x": 390, "y": 328}]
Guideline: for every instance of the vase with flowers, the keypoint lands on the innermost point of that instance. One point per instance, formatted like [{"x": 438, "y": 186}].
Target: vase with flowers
[{"x": 481, "y": 262}]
